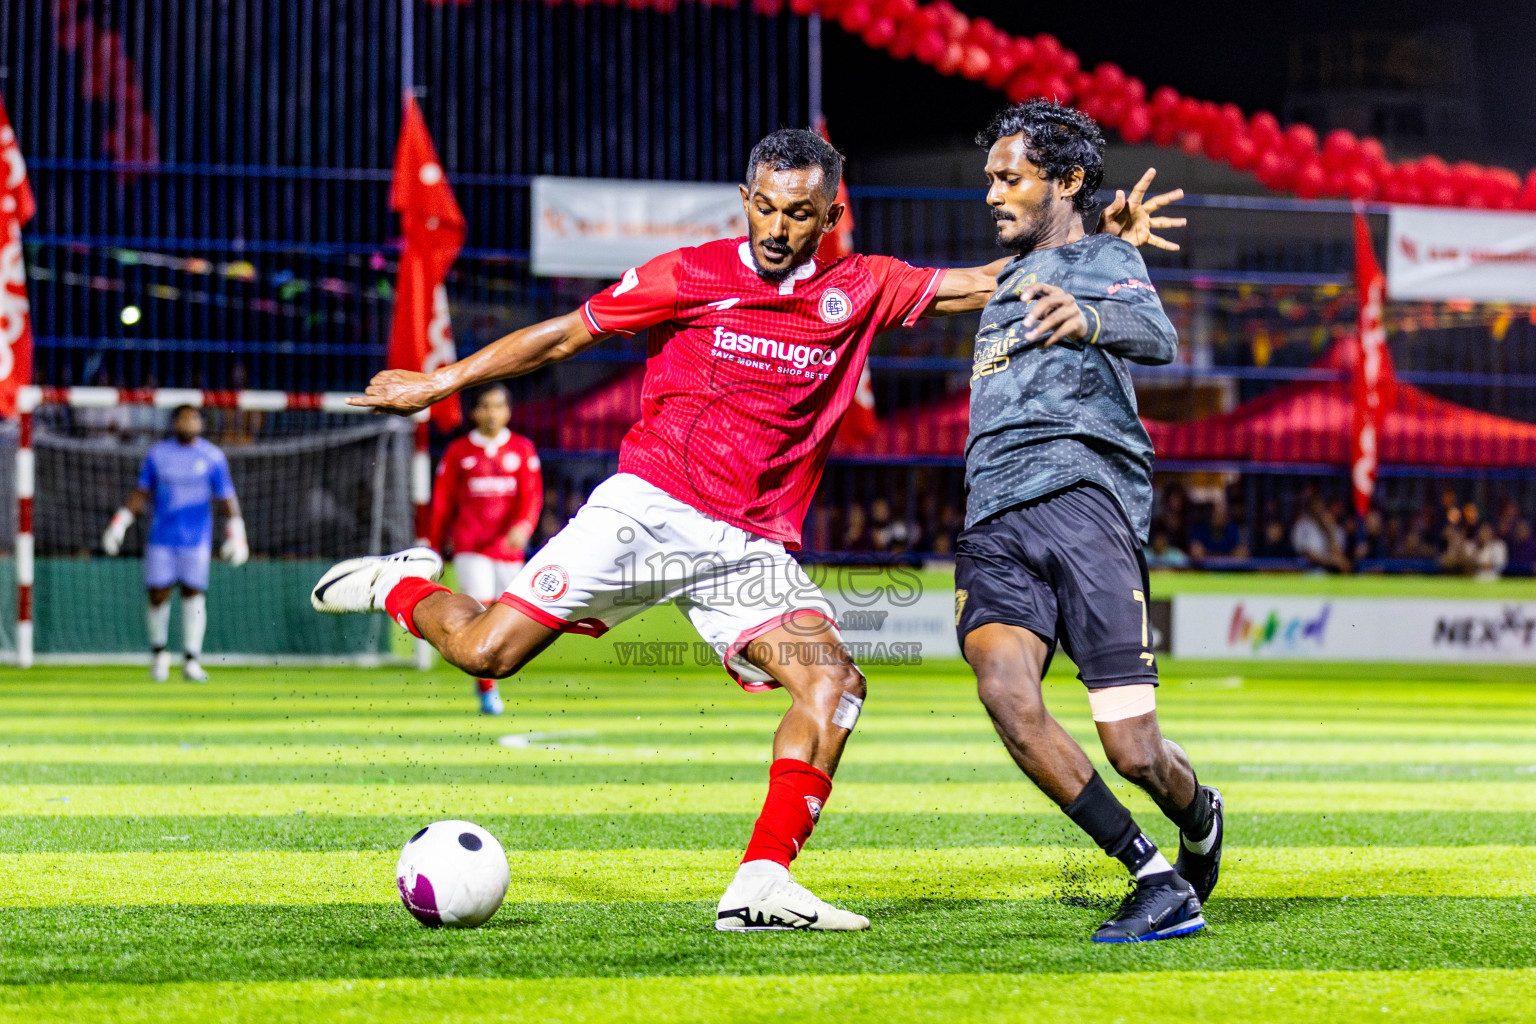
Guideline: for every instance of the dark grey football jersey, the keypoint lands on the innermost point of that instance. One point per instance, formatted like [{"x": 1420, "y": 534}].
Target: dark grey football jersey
[{"x": 1046, "y": 418}]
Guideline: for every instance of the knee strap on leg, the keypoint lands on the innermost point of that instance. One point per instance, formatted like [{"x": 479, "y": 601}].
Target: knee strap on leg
[
  {"x": 847, "y": 713},
  {"x": 1117, "y": 703}
]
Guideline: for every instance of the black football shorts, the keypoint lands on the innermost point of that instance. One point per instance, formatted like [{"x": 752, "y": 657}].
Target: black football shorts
[{"x": 1068, "y": 568}]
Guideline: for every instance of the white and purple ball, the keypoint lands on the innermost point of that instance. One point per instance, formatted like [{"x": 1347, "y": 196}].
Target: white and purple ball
[{"x": 452, "y": 873}]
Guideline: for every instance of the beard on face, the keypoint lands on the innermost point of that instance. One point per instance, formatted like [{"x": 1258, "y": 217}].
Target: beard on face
[
  {"x": 772, "y": 276},
  {"x": 1031, "y": 228}
]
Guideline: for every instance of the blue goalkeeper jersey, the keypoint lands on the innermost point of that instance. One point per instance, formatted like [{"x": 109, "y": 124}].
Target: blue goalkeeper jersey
[{"x": 185, "y": 479}]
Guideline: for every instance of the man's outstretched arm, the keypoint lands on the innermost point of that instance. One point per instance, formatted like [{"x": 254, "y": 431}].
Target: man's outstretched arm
[
  {"x": 406, "y": 391},
  {"x": 967, "y": 289}
]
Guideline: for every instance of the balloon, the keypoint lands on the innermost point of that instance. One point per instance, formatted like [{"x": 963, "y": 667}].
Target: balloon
[
  {"x": 1069, "y": 62},
  {"x": 1024, "y": 50},
  {"x": 1440, "y": 194},
  {"x": 1300, "y": 142},
  {"x": 898, "y": 10},
  {"x": 1271, "y": 169},
  {"x": 1136, "y": 124},
  {"x": 1265, "y": 130},
  {"x": 1310, "y": 179},
  {"x": 1047, "y": 48},
  {"x": 1135, "y": 91},
  {"x": 1108, "y": 77},
  {"x": 1164, "y": 130},
  {"x": 801, "y": 8},
  {"x": 902, "y": 46},
  {"x": 931, "y": 47},
  {"x": 974, "y": 62},
  {"x": 768, "y": 7},
  {"x": 1192, "y": 143},
  {"x": 1004, "y": 64},
  {"x": 879, "y": 33},
  {"x": 1115, "y": 108},
  {"x": 1023, "y": 86},
  {"x": 1165, "y": 98},
  {"x": 1057, "y": 88},
  {"x": 1241, "y": 151},
  {"x": 855, "y": 17},
  {"x": 948, "y": 64}
]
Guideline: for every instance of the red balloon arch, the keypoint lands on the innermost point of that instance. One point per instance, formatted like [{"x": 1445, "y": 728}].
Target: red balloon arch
[{"x": 1284, "y": 159}]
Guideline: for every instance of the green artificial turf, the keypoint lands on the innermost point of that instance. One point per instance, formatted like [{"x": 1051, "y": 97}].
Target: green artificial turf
[{"x": 225, "y": 852}]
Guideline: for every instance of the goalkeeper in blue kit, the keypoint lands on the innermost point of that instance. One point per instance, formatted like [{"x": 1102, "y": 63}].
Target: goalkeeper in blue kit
[{"x": 185, "y": 474}]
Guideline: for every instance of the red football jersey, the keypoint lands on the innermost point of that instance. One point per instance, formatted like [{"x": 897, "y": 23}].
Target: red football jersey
[
  {"x": 746, "y": 379},
  {"x": 486, "y": 487}
]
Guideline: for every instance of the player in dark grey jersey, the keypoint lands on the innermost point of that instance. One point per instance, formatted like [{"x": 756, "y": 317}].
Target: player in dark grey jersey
[{"x": 1059, "y": 492}]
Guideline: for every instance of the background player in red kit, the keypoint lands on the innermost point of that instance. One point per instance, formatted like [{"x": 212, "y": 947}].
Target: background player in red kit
[
  {"x": 755, "y": 349},
  {"x": 485, "y": 505}
]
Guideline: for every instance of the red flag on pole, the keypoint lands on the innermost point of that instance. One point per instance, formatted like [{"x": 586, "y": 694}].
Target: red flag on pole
[
  {"x": 433, "y": 225},
  {"x": 1373, "y": 381},
  {"x": 859, "y": 422},
  {"x": 16, "y": 208}
]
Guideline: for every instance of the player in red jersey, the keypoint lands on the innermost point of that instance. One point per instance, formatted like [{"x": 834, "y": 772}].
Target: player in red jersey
[
  {"x": 485, "y": 506},
  {"x": 755, "y": 348}
]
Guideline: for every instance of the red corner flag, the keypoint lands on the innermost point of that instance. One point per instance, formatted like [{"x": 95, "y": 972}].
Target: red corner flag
[
  {"x": 859, "y": 422},
  {"x": 16, "y": 208},
  {"x": 1373, "y": 382},
  {"x": 433, "y": 224}
]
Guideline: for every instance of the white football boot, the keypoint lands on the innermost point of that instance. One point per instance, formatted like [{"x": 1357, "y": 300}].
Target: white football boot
[
  {"x": 192, "y": 670},
  {"x": 160, "y": 666},
  {"x": 763, "y": 897},
  {"x": 362, "y": 584}
]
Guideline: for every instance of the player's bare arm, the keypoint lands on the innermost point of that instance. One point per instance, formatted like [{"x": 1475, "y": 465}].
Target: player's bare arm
[
  {"x": 1129, "y": 217},
  {"x": 404, "y": 392}
]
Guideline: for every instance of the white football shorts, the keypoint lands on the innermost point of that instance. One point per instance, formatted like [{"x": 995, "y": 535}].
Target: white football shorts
[
  {"x": 632, "y": 546},
  {"x": 483, "y": 577}
]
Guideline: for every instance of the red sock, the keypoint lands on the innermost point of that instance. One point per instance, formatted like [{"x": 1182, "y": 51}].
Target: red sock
[
  {"x": 796, "y": 792},
  {"x": 406, "y": 595},
  {"x": 486, "y": 685}
]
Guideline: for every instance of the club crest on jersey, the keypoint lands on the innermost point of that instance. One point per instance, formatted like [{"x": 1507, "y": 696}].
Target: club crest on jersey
[
  {"x": 549, "y": 583},
  {"x": 834, "y": 306},
  {"x": 814, "y": 806}
]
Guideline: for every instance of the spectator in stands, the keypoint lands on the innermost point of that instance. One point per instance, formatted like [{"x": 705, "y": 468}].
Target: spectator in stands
[
  {"x": 1273, "y": 541},
  {"x": 1417, "y": 540},
  {"x": 1458, "y": 553},
  {"x": 1318, "y": 537},
  {"x": 1489, "y": 553},
  {"x": 856, "y": 533},
  {"x": 1508, "y": 518},
  {"x": 1217, "y": 537},
  {"x": 1522, "y": 548},
  {"x": 887, "y": 533},
  {"x": 1173, "y": 517},
  {"x": 1162, "y": 553},
  {"x": 1371, "y": 541}
]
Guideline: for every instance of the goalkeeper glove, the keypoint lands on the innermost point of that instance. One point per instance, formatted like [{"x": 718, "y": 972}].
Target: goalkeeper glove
[
  {"x": 235, "y": 550},
  {"x": 117, "y": 529}
]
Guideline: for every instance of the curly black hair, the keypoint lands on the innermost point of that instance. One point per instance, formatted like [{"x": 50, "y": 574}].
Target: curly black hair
[
  {"x": 1057, "y": 138},
  {"x": 792, "y": 149}
]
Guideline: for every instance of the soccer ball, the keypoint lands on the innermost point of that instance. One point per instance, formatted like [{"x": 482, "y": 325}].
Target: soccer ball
[{"x": 452, "y": 873}]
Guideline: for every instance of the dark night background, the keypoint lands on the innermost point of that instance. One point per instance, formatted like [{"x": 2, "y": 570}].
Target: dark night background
[{"x": 1233, "y": 51}]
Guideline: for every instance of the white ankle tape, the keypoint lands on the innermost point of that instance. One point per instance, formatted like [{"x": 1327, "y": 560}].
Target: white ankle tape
[
  {"x": 847, "y": 713},
  {"x": 1117, "y": 703}
]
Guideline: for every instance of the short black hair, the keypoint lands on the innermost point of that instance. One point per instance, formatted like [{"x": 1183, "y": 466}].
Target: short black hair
[
  {"x": 1056, "y": 139},
  {"x": 793, "y": 149},
  {"x": 490, "y": 389},
  {"x": 176, "y": 412}
]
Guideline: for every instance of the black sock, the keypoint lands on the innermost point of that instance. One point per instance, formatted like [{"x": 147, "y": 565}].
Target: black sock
[
  {"x": 1098, "y": 812},
  {"x": 1194, "y": 821}
]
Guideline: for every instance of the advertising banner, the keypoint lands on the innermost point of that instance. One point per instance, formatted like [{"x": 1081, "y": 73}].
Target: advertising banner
[
  {"x": 1442, "y": 254},
  {"x": 1352, "y": 629},
  {"x": 600, "y": 227}
]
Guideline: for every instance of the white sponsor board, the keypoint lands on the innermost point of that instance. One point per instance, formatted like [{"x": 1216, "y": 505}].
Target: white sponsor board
[
  {"x": 600, "y": 227},
  {"x": 1353, "y": 629},
  {"x": 1444, "y": 254},
  {"x": 885, "y": 607}
]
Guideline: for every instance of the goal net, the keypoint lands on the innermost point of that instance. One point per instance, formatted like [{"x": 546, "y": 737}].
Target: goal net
[{"x": 315, "y": 484}]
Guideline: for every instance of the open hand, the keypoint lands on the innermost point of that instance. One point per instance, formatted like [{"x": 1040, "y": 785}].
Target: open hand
[
  {"x": 1055, "y": 317},
  {"x": 402, "y": 392},
  {"x": 1130, "y": 218}
]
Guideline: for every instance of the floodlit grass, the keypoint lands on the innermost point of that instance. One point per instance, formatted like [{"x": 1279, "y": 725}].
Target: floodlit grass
[{"x": 179, "y": 853}]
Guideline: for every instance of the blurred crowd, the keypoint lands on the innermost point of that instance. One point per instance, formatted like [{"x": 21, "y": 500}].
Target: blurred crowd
[{"x": 1325, "y": 535}]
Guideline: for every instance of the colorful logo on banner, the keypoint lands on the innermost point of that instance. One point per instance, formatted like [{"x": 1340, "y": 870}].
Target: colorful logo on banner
[
  {"x": 1288, "y": 632},
  {"x": 16, "y": 208}
]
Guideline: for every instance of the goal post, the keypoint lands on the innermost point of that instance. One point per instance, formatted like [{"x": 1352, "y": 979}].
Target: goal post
[{"x": 317, "y": 480}]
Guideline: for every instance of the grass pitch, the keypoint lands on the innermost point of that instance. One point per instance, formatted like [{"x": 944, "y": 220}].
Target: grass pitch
[{"x": 225, "y": 852}]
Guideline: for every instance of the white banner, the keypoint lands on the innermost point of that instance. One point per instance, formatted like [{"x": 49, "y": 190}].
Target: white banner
[
  {"x": 600, "y": 227},
  {"x": 1352, "y": 629},
  {"x": 1441, "y": 254}
]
